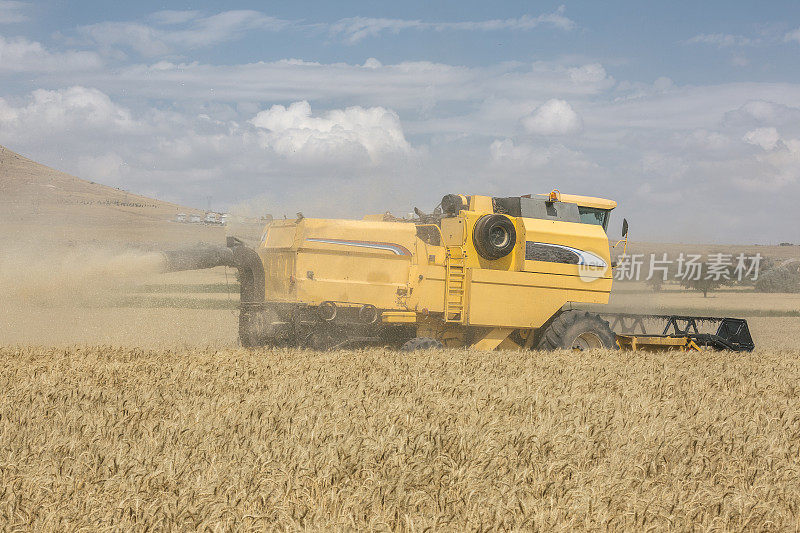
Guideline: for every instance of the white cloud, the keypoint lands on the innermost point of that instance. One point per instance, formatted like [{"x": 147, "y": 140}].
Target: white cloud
[
  {"x": 780, "y": 155},
  {"x": 706, "y": 140},
  {"x": 371, "y": 62},
  {"x": 22, "y": 55},
  {"x": 506, "y": 151},
  {"x": 352, "y": 30},
  {"x": 591, "y": 73},
  {"x": 12, "y": 11},
  {"x": 184, "y": 156},
  {"x": 182, "y": 130},
  {"x": 77, "y": 110},
  {"x": 766, "y": 138},
  {"x": 792, "y": 36},
  {"x": 722, "y": 40},
  {"x": 762, "y": 113},
  {"x": 554, "y": 117},
  {"x": 171, "y": 31},
  {"x": 510, "y": 154},
  {"x": 186, "y": 31},
  {"x": 339, "y": 134},
  {"x": 408, "y": 86},
  {"x": 786, "y": 162}
]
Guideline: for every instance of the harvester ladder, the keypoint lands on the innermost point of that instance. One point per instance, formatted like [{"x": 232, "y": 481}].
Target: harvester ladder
[{"x": 455, "y": 285}]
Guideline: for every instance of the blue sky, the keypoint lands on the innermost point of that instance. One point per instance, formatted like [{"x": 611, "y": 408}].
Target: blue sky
[{"x": 684, "y": 112}]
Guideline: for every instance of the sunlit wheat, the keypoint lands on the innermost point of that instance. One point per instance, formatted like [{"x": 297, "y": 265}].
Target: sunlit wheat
[{"x": 105, "y": 438}]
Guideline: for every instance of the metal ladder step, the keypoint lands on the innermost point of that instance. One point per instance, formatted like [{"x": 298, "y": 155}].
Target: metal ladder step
[{"x": 455, "y": 285}]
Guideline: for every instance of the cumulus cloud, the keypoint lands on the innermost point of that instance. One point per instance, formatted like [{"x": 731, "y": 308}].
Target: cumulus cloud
[
  {"x": 511, "y": 154},
  {"x": 185, "y": 156},
  {"x": 766, "y": 138},
  {"x": 12, "y": 11},
  {"x": 21, "y": 55},
  {"x": 761, "y": 113},
  {"x": 62, "y": 111},
  {"x": 339, "y": 134},
  {"x": 506, "y": 151},
  {"x": 780, "y": 155},
  {"x": 355, "y": 29},
  {"x": 785, "y": 161},
  {"x": 554, "y": 117},
  {"x": 591, "y": 73}
]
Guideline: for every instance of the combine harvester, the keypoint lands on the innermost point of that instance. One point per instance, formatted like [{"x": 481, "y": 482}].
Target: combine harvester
[{"x": 481, "y": 272}]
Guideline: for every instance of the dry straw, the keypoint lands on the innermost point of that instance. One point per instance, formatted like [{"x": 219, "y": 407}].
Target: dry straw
[{"x": 104, "y": 438}]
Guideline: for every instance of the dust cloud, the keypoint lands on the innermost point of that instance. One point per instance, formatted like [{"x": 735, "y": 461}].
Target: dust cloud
[
  {"x": 90, "y": 295},
  {"x": 73, "y": 276}
]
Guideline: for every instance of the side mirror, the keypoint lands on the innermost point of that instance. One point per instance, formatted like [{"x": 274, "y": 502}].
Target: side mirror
[{"x": 624, "y": 227}]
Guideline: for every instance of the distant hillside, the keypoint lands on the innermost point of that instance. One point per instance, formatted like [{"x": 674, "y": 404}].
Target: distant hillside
[{"x": 38, "y": 203}]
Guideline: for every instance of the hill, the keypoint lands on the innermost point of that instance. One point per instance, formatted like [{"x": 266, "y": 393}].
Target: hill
[{"x": 43, "y": 205}]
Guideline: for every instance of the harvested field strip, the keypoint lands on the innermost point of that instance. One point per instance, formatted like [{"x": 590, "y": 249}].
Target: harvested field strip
[
  {"x": 205, "y": 288},
  {"x": 218, "y": 301},
  {"x": 104, "y": 438}
]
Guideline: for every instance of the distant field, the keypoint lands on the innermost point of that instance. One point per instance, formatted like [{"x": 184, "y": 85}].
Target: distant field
[
  {"x": 108, "y": 438},
  {"x": 638, "y": 298},
  {"x": 674, "y": 249}
]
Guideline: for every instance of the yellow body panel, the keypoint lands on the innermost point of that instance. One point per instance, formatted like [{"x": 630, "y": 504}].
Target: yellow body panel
[
  {"x": 493, "y": 338},
  {"x": 386, "y": 264},
  {"x": 656, "y": 343},
  {"x": 588, "y": 201}
]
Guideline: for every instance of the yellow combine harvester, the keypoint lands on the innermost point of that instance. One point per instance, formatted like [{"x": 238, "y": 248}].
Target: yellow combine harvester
[{"x": 484, "y": 272}]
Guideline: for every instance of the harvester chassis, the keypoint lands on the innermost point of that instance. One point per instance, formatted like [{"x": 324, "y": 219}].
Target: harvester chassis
[{"x": 327, "y": 326}]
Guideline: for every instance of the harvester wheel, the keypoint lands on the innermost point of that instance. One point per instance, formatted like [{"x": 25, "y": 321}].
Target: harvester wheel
[
  {"x": 494, "y": 236},
  {"x": 577, "y": 330},
  {"x": 421, "y": 343},
  {"x": 255, "y": 328}
]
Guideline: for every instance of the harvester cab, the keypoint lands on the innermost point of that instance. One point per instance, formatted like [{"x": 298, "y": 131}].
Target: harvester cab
[{"x": 480, "y": 271}]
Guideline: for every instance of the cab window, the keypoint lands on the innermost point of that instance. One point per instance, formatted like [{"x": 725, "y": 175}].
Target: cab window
[{"x": 592, "y": 215}]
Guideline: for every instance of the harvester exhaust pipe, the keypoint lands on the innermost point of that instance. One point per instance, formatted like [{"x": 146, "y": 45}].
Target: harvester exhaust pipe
[
  {"x": 236, "y": 254},
  {"x": 198, "y": 258}
]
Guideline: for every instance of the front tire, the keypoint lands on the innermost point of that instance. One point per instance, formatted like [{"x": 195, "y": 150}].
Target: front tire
[{"x": 577, "y": 330}]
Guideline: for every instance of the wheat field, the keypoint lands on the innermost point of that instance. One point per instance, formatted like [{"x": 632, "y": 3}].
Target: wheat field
[{"x": 95, "y": 438}]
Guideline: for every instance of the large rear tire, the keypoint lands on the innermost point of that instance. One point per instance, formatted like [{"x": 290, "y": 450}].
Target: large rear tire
[{"x": 577, "y": 330}]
